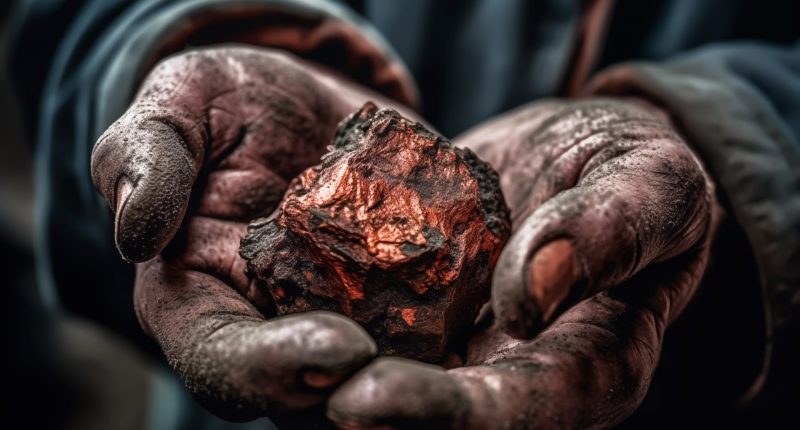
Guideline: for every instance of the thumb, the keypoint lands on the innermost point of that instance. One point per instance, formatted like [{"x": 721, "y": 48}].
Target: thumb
[
  {"x": 146, "y": 177},
  {"x": 635, "y": 202},
  {"x": 146, "y": 162}
]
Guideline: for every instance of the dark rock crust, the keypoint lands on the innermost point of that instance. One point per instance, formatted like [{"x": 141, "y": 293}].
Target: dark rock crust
[{"x": 396, "y": 228}]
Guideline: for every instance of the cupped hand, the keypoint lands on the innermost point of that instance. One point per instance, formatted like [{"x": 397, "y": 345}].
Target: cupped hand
[
  {"x": 613, "y": 217},
  {"x": 210, "y": 143}
]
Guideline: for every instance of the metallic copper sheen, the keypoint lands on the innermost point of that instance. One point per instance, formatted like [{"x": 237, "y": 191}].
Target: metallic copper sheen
[{"x": 396, "y": 228}]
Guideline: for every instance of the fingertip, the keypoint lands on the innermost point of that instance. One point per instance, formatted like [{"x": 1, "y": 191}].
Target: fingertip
[
  {"x": 123, "y": 191},
  {"x": 553, "y": 275},
  {"x": 528, "y": 292},
  {"x": 347, "y": 333},
  {"x": 399, "y": 393},
  {"x": 516, "y": 311},
  {"x": 521, "y": 320},
  {"x": 332, "y": 347},
  {"x": 321, "y": 380},
  {"x": 133, "y": 252},
  {"x": 143, "y": 225},
  {"x": 153, "y": 172}
]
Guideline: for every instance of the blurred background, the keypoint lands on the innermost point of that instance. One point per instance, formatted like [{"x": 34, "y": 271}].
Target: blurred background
[
  {"x": 80, "y": 364},
  {"x": 64, "y": 372}
]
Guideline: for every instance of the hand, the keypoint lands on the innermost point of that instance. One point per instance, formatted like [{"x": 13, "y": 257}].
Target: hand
[
  {"x": 210, "y": 142},
  {"x": 612, "y": 218}
]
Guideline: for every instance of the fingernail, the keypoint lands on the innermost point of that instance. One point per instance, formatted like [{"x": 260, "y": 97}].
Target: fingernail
[
  {"x": 121, "y": 194},
  {"x": 321, "y": 380},
  {"x": 553, "y": 273}
]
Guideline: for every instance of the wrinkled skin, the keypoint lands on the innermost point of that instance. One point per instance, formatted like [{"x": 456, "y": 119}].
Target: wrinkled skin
[
  {"x": 210, "y": 143},
  {"x": 612, "y": 219},
  {"x": 602, "y": 194}
]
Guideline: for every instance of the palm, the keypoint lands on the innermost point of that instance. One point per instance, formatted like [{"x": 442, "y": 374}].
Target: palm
[
  {"x": 209, "y": 144},
  {"x": 611, "y": 218},
  {"x": 601, "y": 195}
]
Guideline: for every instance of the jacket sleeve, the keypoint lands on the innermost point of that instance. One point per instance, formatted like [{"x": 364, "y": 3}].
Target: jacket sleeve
[
  {"x": 92, "y": 56},
  {"x": 738, "y": 104}
]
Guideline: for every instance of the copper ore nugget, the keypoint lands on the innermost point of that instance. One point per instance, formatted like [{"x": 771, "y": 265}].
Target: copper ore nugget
[{"x": 396, "y": 228}]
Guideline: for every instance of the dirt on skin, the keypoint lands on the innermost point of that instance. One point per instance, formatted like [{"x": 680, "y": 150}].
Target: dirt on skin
[{"x": 396, "y": 228}]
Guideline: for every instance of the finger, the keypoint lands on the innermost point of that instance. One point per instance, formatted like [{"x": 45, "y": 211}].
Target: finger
[
  {"x": 619, "y": 202},
  {"x": 241, "y": 194},
  {"x": 193, "y": 110},
  {"x": 394, "y": 393},
  {"x": 590, "y": 369},
  {"x": 146, "y": 162},
  {"x": 236, "y": 363}
]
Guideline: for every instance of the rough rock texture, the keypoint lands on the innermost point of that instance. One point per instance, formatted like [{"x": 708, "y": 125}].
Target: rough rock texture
[{"x": 396, "y": 228}]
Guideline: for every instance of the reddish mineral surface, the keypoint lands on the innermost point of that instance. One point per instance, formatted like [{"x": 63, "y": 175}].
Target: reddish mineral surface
[{"x": 396, "y": 228}]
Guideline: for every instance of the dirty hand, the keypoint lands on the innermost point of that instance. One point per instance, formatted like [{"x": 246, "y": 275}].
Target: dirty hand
[
  {"x": 209, "y": 143},
  {"x": 612, "y": 217}
]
